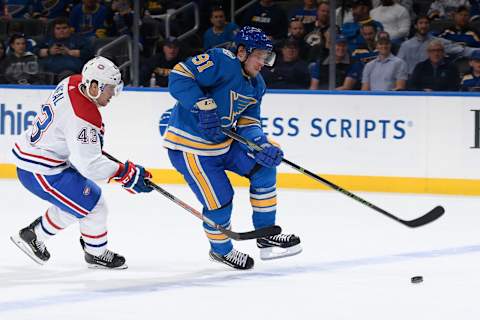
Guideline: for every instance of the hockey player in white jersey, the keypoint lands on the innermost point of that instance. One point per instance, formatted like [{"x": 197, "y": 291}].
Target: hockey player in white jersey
[{"x": 59, "y": 157}]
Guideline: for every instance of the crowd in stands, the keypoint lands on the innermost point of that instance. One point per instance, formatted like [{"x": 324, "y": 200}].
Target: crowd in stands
[{"x": 418, "y": 45}]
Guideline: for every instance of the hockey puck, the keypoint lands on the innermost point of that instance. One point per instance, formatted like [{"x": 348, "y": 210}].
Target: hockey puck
[{"x": 417, "y": 279}]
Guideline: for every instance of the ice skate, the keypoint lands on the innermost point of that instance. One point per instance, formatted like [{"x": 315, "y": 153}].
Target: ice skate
[
  {"x": 279, "y": 246},
  {"x": 26, "y": 240},
  {"x": 234, "y": 259},
  {"x": 107, "y": 260}
]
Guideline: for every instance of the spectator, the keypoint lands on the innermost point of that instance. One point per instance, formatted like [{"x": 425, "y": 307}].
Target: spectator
[
  {"x": 289, "y": 72},
  {"x": 89, "y": 19},
  {"x": 297, "y": 33},
  {"x": 63, "y": 53},
  {"x": 386, "y": 72},
  {"x": 222, "y": 33},
  {"x": 361, "y": 16},
  {"x": 444, "y": 9},
  {"x": 49, "y": 10},
  {"x": 268, "y": 17},
  {"x": 414, "y": 50},
  {"x": 360, "y": 57},
  {"x": 120, "y": 18},
  {"x": 435, "y": 73},
  {"x": 394, "y": 18},
  {"x": 461, "y": 32},
  {"x": 319, "y": 71},
  {"x": 317, "y": 35},
  {"x": 159, "y": 66},
  {"x": 407, "y": 4},
  {"x": 306, "y": 14},
  {"x": 471, "y": 81},
  {"x": 20, "y": 66}
]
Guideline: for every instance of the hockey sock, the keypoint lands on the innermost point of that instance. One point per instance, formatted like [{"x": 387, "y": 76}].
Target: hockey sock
[
  {"x": 219, "y": 242},
  {"x": 264, "y": 205},
  {"x": 53, "y": 221},
  {"x": 93, "y": 228}
]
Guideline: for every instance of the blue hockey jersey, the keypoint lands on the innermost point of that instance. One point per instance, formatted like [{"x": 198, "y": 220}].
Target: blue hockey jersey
[{"x": 216, "y": 74}]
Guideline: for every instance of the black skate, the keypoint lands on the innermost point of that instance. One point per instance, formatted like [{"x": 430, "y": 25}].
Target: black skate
[
  {"x": 279, "y": 246},
  {"x": 107, "y": 260},
  {"x": 234, "y": 259},
  {"x": 26, "y": 240}
]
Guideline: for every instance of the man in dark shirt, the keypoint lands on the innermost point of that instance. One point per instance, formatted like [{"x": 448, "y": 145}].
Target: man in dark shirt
[
  {"x": 435, "y": 73},
  {"x": 461, "y": 32},
  {"x": 289, "y": 72},
  {"x": 20, "y": 66},
  {"x": 471, "y": 81},
  {"x": 155, "y": 72},
  {"x": 62, "y": 52},
  {"x": 268, "y": 17}
]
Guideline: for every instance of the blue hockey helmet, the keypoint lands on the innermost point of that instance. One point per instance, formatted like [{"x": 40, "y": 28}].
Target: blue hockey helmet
[{"x": 254, "y": 38}]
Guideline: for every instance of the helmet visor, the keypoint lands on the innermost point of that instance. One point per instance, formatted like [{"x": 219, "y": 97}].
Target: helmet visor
[
  {"x": 268, "y": 57},
  {"x": 113, "y": 90}
]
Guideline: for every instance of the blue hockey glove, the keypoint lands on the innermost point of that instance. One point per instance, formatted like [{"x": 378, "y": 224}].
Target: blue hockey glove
[
  {"x": 271, "y": 156},
  {"x": 133, "y": 178},
  {"x": 208, "y": 120}
]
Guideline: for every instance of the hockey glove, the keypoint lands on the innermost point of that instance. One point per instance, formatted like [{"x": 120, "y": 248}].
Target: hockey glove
[
  {"x": 134, "y": 178},
  {"x": 270, "y": 156},
  {"x": 208, "y": 120}
]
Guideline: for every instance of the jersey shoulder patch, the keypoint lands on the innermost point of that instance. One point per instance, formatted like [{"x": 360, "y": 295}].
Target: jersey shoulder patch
[
  {"x": 228, "y": 53},
  {"x": 82, "y": 107}
]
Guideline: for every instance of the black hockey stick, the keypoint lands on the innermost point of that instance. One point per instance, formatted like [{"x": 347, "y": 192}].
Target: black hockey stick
[
  {"x": 258, "y": 233},
  {"x": 430, "y": 216}
]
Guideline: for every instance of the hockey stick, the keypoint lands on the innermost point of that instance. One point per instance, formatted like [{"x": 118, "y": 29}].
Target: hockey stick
[
  {"x": 430, "y": 216},
  {"x": 258, "y": 233}
]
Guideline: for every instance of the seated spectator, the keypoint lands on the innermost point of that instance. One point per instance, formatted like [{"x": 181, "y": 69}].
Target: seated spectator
[
  {"x": 435, "y": 73},
  {"x": 20, "y": 66},
  {"x": 414, "y": 50},
  {"x": 63, "y": 52},
  {"x": 158, "y": 67},
  {"x": 386, "y": 72},
  {"x": 394, "y": 18},
  {"x": 88, "y": 19},
  {"x": 297, "y": 33},
  {"x": 319, "y": 71},
  {"x": 49, "y": 10},
  {"x": 361, "y": 16},
  {"x": 120, "y": 18},
  {"x": 307, "y": 14},
  {"x": 407, "y": 4},
  {"x": 17, "y": 9},
  {"x": 368, "y": 32},
  {"x": 444, "y": 9},
  {"x": 222, "y": 33},
  {"x": 471, "y": 81},
  {"x": 461, "y": 32},
  {"x": 361, "y": 56},
  {"x": 289, "y": 72},
  {"x": 321, "y": 25},
  {"x": 268, "y": 17}
]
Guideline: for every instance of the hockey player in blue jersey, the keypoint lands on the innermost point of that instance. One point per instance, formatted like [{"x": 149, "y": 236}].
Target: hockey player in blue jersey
[{"x": 215, "y": 90}]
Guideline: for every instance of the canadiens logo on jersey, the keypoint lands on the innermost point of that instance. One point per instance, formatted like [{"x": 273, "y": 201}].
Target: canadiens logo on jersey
[{"x": 238, "y": 104}]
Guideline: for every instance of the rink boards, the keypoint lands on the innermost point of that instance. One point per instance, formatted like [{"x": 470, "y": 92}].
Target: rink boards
[{"x": 404, "y": 142}]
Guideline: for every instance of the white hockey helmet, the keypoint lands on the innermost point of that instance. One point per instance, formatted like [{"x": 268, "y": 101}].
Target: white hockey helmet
[{"x": 105, "y": 73}]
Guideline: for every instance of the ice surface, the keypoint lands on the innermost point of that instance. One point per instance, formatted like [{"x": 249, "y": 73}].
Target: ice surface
[{"x": 356, "y": 263}]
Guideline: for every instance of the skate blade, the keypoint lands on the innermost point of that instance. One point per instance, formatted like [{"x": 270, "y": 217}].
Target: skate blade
[
  {"x": 25, "y": 248},
  {"x": 279, "y": 253},
  {"x": 99, "y": 267}
]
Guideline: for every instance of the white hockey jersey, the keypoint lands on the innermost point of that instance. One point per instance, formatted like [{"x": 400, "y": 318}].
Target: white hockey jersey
[{"x": 65, "y": 133}]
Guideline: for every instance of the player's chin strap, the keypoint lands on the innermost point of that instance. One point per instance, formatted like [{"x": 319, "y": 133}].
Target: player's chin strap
[
  {"x": 258, "y": 233},
  {"x": 432, "y": 215}
]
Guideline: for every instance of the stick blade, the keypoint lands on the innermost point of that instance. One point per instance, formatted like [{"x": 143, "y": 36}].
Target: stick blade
[
  {"x": 258, "y": 233},
  {"x": 431, "y": 216}
]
